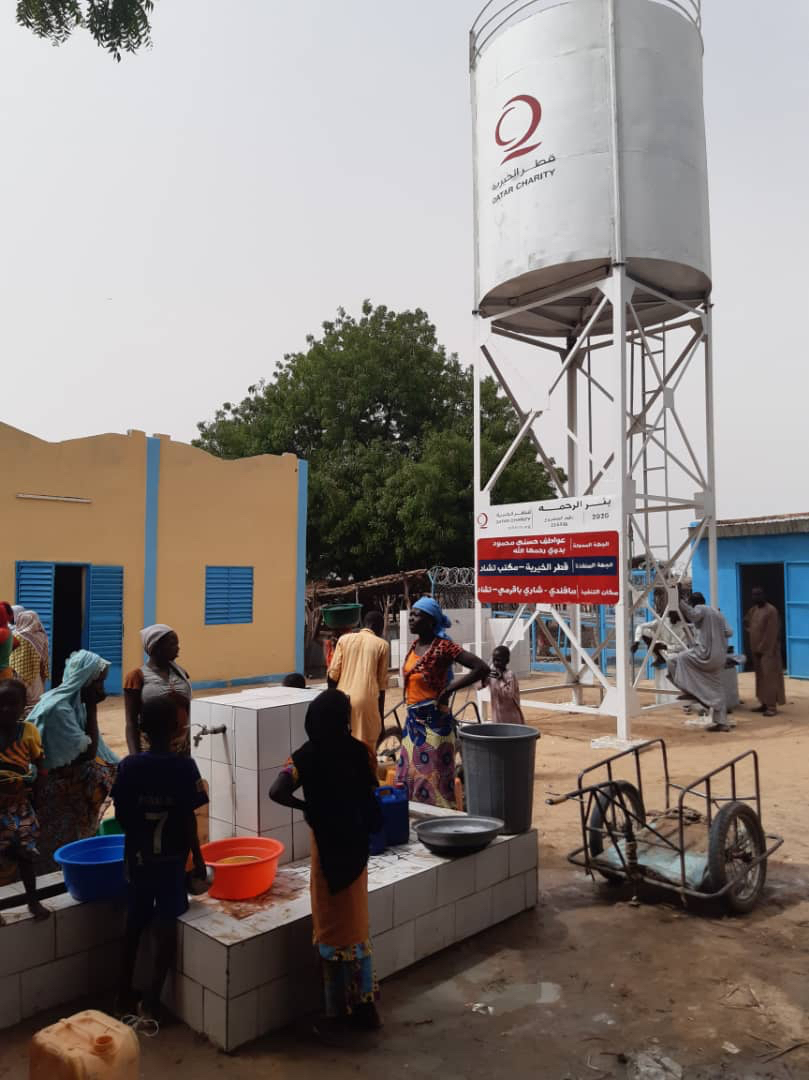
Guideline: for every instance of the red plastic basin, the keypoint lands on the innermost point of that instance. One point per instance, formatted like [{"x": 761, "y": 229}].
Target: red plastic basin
[{"x": 241, "y": 881}]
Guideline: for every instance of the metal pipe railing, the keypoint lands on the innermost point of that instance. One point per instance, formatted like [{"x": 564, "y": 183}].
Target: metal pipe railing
[{"x": 496, "y": 16}]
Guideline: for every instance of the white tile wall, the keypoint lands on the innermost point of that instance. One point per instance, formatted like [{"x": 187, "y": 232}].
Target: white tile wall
[
  {"x": 274, "y": 1005},
  {"x": 395, "y": 949},
  {"x": 297, "y": 720},
  {"x": 273, "y": 736},
  {"x": 380, "y": 909},
  {"x": 456, "y": 878},
  {"x": 491, "y": 865},
  {"x": 508, "y": 898},
  {"x": 257, "y": 960},
  {"x": 284, "y": 834},
  {"x": 220, "y": 830},
  {"x": 184, "y": 997},
  {"x": 10, "y": 1000},
  {"x": 215, "y": 1018},
  {"x": 246, "y": 809},
  {"x": 530, "y": 888},
  {"x": 301, "y": 840},
  {"x": 414, "y": 896},
  {"x": 245, "y": 725},
  {"x": 50, "y": 984},
  {"x": 201, "y": 714},
  {"x": 522, "y": 853},
  {"x": 25, "y": 943},
  {"x": 473, "y": 914},
  {"x": 271, "y": 815},
  {"x": 222, "y": 791},
  {"x": 81, "y": 926},
  {"x": 204, "y": 766},
  {"x": 242, "y": 1019},
  {"x": 222, "y": 748},
  {"x": 205, "y": 960},
  {"x": 435, "y": 931}
]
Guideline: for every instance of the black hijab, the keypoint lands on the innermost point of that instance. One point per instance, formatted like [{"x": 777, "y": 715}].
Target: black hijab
[{"x": 338, "y": 781}]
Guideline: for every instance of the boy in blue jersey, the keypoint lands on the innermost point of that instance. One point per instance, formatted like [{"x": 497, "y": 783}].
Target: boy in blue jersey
[{"x": 155, "y": 795}]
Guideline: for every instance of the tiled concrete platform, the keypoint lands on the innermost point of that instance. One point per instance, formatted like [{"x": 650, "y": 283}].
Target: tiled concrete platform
[{"x": 246, "y": 968}]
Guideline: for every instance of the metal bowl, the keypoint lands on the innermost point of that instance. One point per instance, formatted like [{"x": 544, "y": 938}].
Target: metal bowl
[{"x": 458, "y": 835}]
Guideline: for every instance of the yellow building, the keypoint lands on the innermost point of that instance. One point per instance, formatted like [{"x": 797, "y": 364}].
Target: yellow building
[{"x": 107, "y": 534}]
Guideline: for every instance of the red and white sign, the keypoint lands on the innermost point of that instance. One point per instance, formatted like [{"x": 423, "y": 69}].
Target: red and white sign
[{"x": 573, "y": 561}]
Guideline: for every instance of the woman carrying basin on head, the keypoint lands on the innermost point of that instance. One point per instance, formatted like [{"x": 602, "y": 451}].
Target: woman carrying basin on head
[
  {"x": 427, "y": 757},
  {"x": 159, "y": 678}
]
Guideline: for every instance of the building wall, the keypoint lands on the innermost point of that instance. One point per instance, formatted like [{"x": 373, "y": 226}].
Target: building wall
[
  {"x": 736, "y": 551},
  {"x": 229, "y": 513},
  {"x": 110, "y": 470},
  {"x": 164, "y": 511}
]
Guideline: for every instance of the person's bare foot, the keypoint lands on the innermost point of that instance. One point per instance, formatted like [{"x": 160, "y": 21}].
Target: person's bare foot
[{"x": 39, "y": 911}]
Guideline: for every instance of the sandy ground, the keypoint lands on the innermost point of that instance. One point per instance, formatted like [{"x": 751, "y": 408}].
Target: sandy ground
[{"x": 588, "y": 979}]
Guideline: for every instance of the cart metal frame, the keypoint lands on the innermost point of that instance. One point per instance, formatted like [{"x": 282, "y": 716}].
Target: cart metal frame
[{"x": 607, "y": 792}]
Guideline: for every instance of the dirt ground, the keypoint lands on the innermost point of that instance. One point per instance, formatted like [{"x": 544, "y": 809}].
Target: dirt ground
[{"x": 578, "y": 986}]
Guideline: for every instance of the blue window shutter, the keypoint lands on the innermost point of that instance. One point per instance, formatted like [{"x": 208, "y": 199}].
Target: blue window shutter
[
  {"x": 228, "y": 595},
  {"x": 35, "y": 592},
  {"x": 105, "y": 619}
]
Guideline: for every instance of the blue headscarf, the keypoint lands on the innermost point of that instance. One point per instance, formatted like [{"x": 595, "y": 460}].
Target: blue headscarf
[
  {"x": 433, "y": 609},
  {"x": 61, "y": 715}
]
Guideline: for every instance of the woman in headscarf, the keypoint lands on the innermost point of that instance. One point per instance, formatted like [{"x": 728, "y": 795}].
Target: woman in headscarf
[
  {"x": 6, "y": 642},
  {"x": 72, "y": 796},
  {"x": 30, "y": 655},
  {"x": 338, "y": 776},
  {"x": 427, "y": 757},
  {"x": 159, "y": 677}
]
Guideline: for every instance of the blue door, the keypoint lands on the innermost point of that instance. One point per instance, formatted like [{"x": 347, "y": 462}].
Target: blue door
[
  {"x": 797, "y": 619},
  {"x": 105, "y": 619},
  {"x": 35, "y": 591}
]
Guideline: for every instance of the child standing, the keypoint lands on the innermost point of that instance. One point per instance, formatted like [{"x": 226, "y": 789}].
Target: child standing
[
  {"x": 155, "y": 794},
  {"x": 504, "y": 689},
  {"x": 20, "y": 748}
]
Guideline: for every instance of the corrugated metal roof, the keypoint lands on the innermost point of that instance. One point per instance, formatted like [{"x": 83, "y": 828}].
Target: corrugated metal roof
[{"x": 770, "y": 525}]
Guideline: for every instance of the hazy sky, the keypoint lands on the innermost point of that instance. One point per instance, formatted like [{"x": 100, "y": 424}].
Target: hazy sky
[{"x": 174, "y": 223}]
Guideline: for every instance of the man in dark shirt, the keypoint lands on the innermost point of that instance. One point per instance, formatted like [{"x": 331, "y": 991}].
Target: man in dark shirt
[{"x": 155, "y": 795}]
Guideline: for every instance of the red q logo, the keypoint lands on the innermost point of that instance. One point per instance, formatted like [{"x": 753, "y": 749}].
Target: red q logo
[{"x": 519, "y": 145}]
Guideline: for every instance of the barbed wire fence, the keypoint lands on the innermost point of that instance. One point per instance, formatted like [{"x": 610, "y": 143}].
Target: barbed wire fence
[{"x": 453, "y": 586}]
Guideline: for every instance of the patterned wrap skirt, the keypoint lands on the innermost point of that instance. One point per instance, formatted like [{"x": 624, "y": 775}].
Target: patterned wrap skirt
[
  {"x": 427, "y": 757},
  {"x": 348, "y": 978},
  {"x": 71, "y": 803},
  {"x": 19, "y": 828}
]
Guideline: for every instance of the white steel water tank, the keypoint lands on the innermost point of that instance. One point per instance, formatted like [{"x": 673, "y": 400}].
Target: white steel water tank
[{"x": 589, "y": 150}]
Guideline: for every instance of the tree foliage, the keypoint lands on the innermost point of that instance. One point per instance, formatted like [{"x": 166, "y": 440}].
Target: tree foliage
[
  {"x": 118, "y": 26},
  {"x": 384, "y": 417}
]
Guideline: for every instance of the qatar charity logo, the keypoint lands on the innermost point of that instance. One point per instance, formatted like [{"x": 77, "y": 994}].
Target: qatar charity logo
[{"x": 528, "y": 115}]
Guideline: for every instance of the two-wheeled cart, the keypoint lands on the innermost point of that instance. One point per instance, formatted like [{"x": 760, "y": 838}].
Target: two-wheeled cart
[{"x": 708, "y": 842}]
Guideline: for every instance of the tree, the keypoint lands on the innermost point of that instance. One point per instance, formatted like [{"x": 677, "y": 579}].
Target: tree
[
  {"x": 116, "y": 25},
  {"x": 384, "y": 417}
]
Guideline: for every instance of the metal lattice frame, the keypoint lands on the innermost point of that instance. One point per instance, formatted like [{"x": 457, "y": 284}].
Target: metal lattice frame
[{"x": 654, "y": 468}]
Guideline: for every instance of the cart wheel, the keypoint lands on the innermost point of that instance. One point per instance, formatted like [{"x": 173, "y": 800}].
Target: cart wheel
[
  {"x": 735, "y": 839},
  {"x": 603, "y": 810}
]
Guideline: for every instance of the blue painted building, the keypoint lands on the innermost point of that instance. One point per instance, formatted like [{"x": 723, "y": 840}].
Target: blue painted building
[{"x": 773, "y": 553}]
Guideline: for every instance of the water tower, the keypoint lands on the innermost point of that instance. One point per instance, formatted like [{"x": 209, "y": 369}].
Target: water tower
[{"x": 593, "y": 279}]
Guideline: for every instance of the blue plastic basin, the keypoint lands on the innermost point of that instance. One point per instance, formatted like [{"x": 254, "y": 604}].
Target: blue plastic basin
[{"x": 93, "y": 869}]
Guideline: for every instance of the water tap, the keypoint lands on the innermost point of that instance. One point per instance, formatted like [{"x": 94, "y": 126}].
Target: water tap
[{"x": 204, "y": 730}]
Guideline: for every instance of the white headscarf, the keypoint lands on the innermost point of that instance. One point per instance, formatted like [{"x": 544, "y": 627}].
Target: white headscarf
[{"x": 150, "y": 635}]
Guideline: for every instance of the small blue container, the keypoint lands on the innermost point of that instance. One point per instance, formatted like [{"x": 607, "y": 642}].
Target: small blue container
[
  {"x": 93, "y": 869},
  {"x": 377, "y": 843},
  {"x": 393, "y": 801}
]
